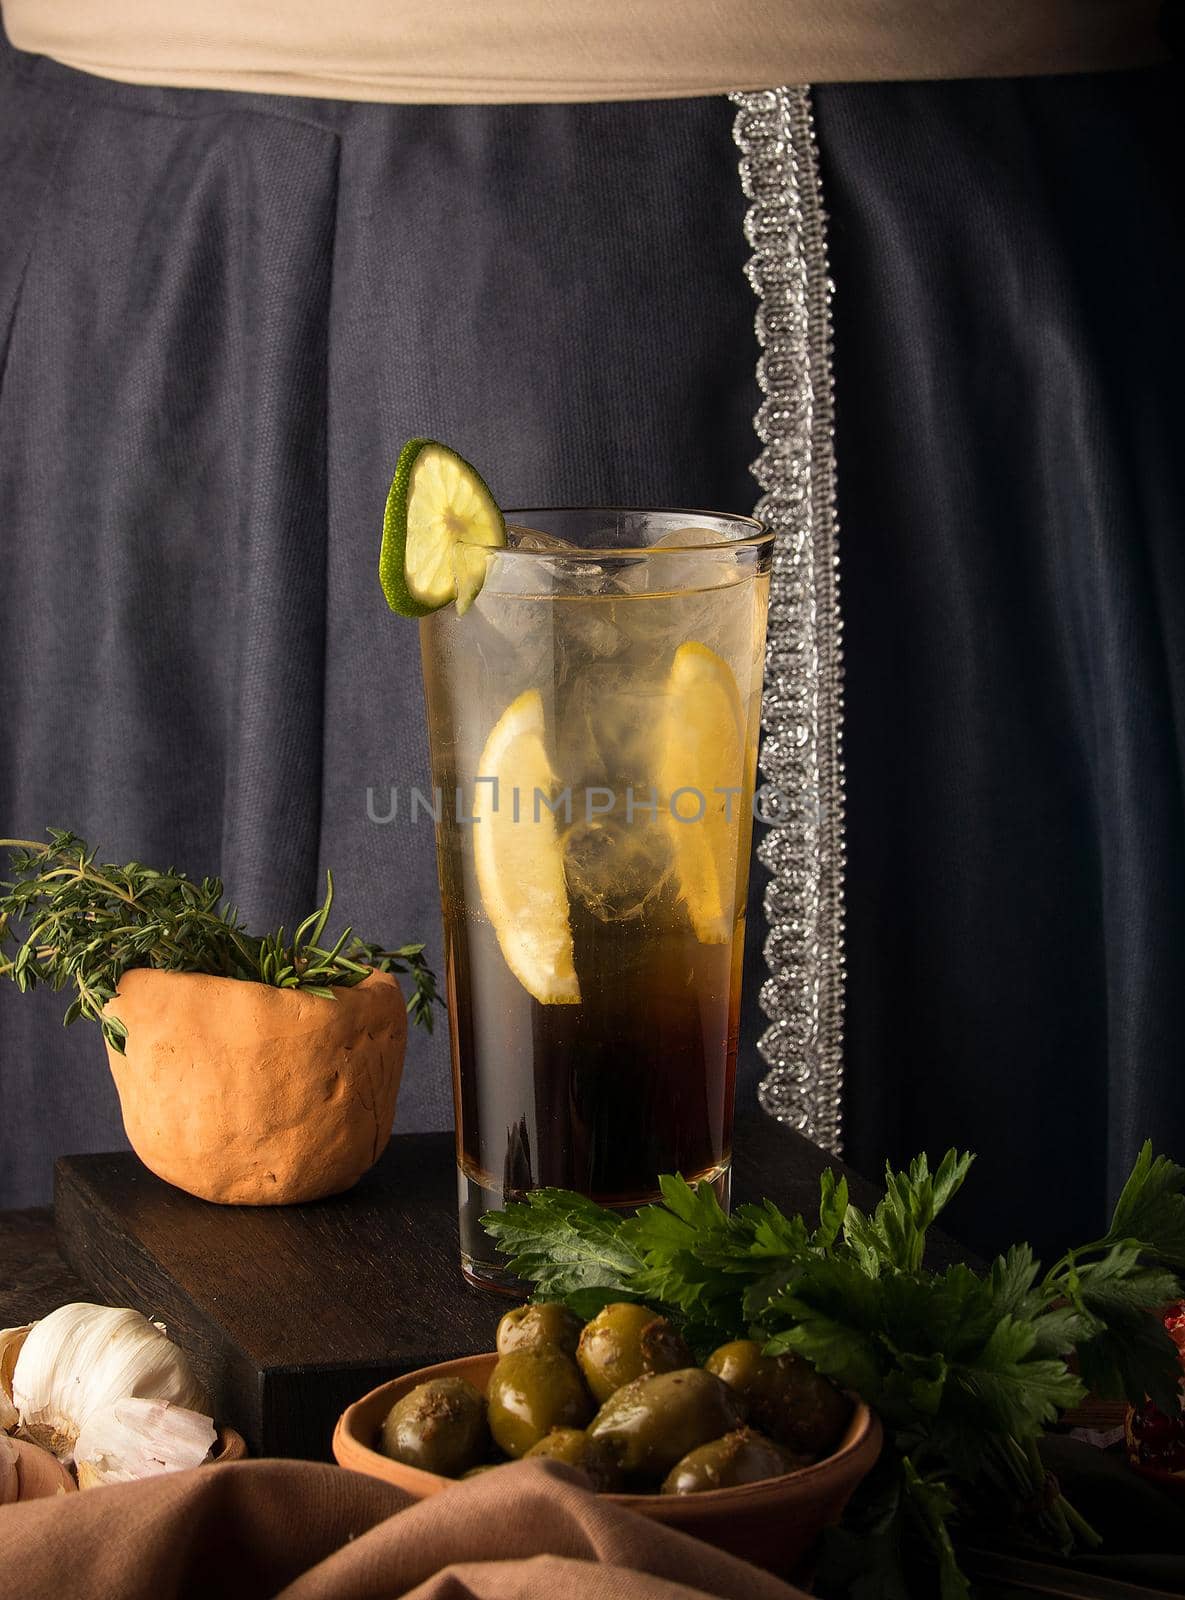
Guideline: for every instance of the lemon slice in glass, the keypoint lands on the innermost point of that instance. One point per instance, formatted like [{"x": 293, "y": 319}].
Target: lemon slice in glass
[
  {"x": 703, "y": 755},
  {"x": 518, "y": 855},
  {"x": 439, "y": 516}
]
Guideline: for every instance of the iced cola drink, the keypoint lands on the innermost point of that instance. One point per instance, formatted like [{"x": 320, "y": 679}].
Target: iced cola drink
[{"x": 593, "y": 723}]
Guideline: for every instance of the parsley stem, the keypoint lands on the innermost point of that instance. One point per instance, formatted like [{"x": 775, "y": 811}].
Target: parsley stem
[
  {"x": 1081, "y": 1529},
  {"x": 1073, "y": 1524}
]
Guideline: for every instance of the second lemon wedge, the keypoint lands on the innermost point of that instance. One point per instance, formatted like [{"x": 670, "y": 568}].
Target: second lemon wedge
[{"x": 702, "y": 766}]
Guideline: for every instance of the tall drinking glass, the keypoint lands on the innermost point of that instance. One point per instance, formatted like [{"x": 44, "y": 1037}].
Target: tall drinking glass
[{"x": 593, "y": 725}]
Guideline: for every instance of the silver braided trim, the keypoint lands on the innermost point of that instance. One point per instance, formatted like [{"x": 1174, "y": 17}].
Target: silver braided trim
[{"x": 801, "y": 756}]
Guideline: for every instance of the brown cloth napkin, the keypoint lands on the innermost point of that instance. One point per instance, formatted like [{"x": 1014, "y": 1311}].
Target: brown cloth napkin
[{"x": 288, "y": 1528}]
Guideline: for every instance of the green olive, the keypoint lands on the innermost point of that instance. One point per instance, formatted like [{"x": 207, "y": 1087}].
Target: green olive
[
  {"x": 530, "y": 1393},
  {"x": 740, "y": 1457},
  {"x": 529, "y": 1327},
  {"x": 439, "y": 1427},
  {"x": 741, "y": 1365},
  {"x": 573, "y": 1446},
  {"x": 624, "y": 1342},
  {"x": 784, "y": 1396},
  {"x": 651, "y": 1423}
]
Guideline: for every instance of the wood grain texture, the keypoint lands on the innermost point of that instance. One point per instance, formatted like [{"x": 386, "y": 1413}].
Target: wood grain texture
[
  {"x": 34, "y": 1279},
  {"x": 290, "y": 1313}
]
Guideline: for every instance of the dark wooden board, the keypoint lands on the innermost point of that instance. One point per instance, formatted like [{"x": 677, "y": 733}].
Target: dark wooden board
[{"x": 290, "y": 1313}]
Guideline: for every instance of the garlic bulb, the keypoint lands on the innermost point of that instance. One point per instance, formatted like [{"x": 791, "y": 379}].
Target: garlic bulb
[
  {"x": 81, "y": 1359},
  {"x": 138, "y": 1439},
  {"x": 11, "y": 1340}
]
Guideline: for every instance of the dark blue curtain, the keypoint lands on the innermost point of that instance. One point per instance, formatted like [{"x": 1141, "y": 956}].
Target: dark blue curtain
[{"x": 221, "y": 314}]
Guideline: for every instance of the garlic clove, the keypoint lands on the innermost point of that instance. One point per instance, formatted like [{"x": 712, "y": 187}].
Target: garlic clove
[
  {"x": 138, "y": 1439},
  {"x": 11, "y": 1340},
  {"x": 27, "y": 1472},
  {"x": 82, "y": 1359}
]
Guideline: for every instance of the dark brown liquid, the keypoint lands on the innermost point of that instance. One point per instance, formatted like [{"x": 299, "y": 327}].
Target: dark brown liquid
[{"x": 603, "y": 1096}]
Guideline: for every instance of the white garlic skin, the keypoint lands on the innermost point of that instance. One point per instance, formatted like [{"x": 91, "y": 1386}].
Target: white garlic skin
[
  {"x": 82, "y": 1358},
  {"x": 138, "y": 1439}
]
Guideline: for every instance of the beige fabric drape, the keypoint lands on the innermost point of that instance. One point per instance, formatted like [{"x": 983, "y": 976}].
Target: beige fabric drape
[
  {"x": 296, "y": 1531},
  {"x": 459, "y": 51}
]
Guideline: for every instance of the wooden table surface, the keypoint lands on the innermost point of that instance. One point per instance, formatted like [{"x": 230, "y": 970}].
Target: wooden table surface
[{"x": 34, "y": 1279}]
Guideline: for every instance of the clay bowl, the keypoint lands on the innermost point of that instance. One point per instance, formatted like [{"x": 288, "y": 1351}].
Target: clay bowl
[
  {"x": 774, "y": 1524},
  {"x": 27, "y": 1472},
  {"x": 247, "y": 1095},
  {"x": 229, "y": 1446}
]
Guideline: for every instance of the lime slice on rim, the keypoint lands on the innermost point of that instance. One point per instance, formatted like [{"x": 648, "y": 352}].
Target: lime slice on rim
[
  {"x": 439, "y": 514},
  {"x": 519, "y": 858},
  {"x": 702, "y": 738}
]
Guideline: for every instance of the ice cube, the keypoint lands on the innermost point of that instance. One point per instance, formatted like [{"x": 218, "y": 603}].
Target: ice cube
[
  {"x": 713, "y": 564},
  {"x": 518, "y": 538},
  {"x": 607, "y": 729},
  {"x": 687, "y": 537},
  {"x": 570, "y": 576},
  {"x": 616, "y": 868},
  {"x": 597, "y": 635},
  {"x": 509, "y": 633}
]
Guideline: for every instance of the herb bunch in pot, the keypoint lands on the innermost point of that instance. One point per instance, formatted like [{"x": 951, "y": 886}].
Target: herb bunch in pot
[{"x": 251, "y": 1070}]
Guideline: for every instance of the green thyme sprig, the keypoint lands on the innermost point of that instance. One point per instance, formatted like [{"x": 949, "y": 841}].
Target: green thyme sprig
[
  {"x": 966, "y": 1369},
  {"x": 85, "y": 924}
]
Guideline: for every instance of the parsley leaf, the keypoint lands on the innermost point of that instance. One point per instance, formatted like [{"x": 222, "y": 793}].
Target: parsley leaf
[
  {"x": 1151, "y": 1208},
  {"x": 895, "y": 1235},
  {"x": 562, "y": 1243},
  {"x": 833, "y": 1312}
]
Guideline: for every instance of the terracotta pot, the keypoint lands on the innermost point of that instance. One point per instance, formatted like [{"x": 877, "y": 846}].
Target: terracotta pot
[
  {"x": 774, "y": 1524},
  {"x": 249, "y": 1095}
]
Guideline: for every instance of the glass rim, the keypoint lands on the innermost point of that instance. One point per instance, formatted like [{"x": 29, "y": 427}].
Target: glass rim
[{"x": 760, "y": 538}]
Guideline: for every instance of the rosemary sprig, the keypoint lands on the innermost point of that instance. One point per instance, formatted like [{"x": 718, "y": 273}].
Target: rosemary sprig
[{"x": 86, "y": 924}]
